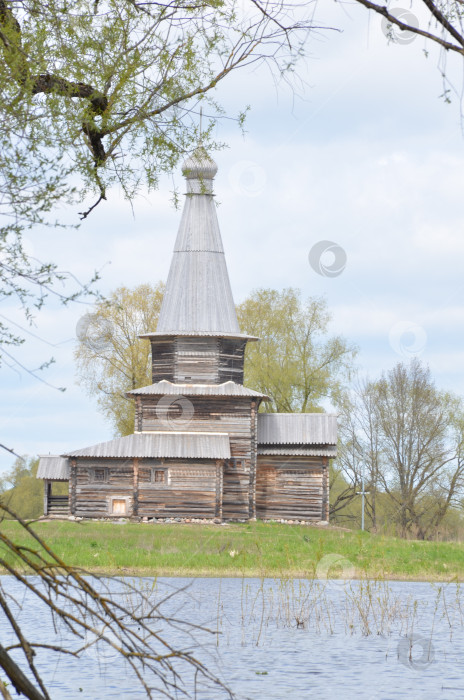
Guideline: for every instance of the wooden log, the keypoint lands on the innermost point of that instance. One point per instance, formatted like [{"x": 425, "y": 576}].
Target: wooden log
[
  {"x": 219, "y": 487},
  {"x": 72, "y": 486},
  {"x": 45, "y": 497},
  {"x": 135, "y": 497}
]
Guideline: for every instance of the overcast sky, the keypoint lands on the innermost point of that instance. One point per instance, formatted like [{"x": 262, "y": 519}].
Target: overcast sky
[{"x": 370, "y": 158}]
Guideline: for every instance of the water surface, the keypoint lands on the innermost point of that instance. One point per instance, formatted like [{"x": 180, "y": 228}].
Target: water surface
[{"x": 274, "y": 639}]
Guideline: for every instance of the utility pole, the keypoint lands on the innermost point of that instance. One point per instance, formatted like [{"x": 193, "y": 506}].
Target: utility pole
[{"x": 362, "y": 493}]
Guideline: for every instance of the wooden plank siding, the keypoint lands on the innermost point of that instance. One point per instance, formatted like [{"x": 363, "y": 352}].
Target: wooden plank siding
[
  {"x": 93, "y": 498},
  {"x": 290, "y": 488},
  {"x": 189, "y": 492},
  {"x": 205, "y": 414},
  {"x": 231, "y": 360},
  {"x": 196, "y": 360}
]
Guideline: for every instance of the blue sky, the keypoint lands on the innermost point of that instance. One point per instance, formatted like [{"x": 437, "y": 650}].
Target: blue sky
[{"x": 367, "y": 156}]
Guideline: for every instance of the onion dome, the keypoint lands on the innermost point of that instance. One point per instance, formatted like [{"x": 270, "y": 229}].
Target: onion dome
[{"x": 199, "y": 166}]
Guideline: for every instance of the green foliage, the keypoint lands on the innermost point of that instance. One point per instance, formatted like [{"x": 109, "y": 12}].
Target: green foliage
[
  {"x": 21, "y": 491},
  {"x": 96, "y": 94},
  {"x": 295, "y": 363},
  {"x": 110, "y": 357}
]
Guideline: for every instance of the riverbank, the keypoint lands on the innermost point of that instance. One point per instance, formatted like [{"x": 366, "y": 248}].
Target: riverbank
[{"x": 244, "y": 549}]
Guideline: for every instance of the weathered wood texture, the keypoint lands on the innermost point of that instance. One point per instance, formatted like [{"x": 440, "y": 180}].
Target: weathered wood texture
[
  {"x": 73, "y": 487},
  {"x": 163, "y": 363},
  {"x": 219, "y": 488},
  {"x": 204, "y": 414},
  {"x": 189, "y": 490},
  {"x": 47, "y": 491},
  {"x": 233, "y": 415},
  {"x": 325, "y": 489},
  {"x": 253, "y": 459},
  {"x": 138, "y": 414},
  {"x": 147, "y": 488},
  {"x": 58, "y": 505},
  {"x": 231, "y": 360},
  {"x": 289, "y": 488},
  {"x": 198, "y": 360},
  {"x": 94, "y": 498}
]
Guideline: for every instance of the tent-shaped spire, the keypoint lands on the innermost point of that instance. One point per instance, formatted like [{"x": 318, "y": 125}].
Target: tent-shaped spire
[{"x": 198, "y": 297}]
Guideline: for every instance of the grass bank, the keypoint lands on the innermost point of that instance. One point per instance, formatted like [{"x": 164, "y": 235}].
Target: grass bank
[{"x": 249, "y": 549}]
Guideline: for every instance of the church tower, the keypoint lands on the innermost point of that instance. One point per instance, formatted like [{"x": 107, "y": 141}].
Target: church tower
[
  {"x": 198, "y": 350},
  {"x": 198, "y": 339}
]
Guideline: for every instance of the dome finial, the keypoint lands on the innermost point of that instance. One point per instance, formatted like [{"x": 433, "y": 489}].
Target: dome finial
[{"x": 199, "y": 166}]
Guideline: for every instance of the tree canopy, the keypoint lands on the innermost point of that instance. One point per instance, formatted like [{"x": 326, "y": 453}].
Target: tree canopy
[
  {"x": 20, "y": 490},
  {"x": 296, "y": 363},
  {"x": 102, "y": 93},
  {"x": 110, "y": 357},
  {"x": 406, "y": 435}
]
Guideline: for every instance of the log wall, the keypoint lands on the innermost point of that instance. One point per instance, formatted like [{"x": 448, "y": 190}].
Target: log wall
[
  {"x": 235, "y": 416},
  {"x": 290, "y": 488},
  {"x": 188, "y": 488},
  {"x": 198, "y": 360},
  {"x": 162, "y": 353},
  {"x": 93, "y": 499},
  {"x": 231, "y": 360}
]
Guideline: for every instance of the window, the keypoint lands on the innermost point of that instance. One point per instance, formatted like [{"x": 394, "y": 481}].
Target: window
[
  {"x": 235, "y": 463},
  {"x": 99, "y": 475},
  {"x": 149, "y": 476}
]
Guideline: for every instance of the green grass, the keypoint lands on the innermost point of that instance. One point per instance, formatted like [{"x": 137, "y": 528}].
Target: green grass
[{"x": 260, "y": 549}]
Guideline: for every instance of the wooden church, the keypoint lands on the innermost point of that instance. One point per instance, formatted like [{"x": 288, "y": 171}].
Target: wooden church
[{"x": 200, "y": 448}]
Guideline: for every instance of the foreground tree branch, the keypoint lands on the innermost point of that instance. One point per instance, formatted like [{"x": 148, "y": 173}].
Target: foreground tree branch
[
  {"x": 448, "y": 24},
  {"x": 95, "y": 95},
  {"x": 117, "y": 615}
]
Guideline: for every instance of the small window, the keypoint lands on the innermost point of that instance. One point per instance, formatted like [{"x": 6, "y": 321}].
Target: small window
[
  {"x": 99, "y": 474},
  {"x": 119, "y": 506},
  {"x": 153, "y": 475}
]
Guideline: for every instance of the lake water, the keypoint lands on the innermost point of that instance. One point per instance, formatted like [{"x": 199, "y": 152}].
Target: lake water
[{"x": 279, "y": 639}]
